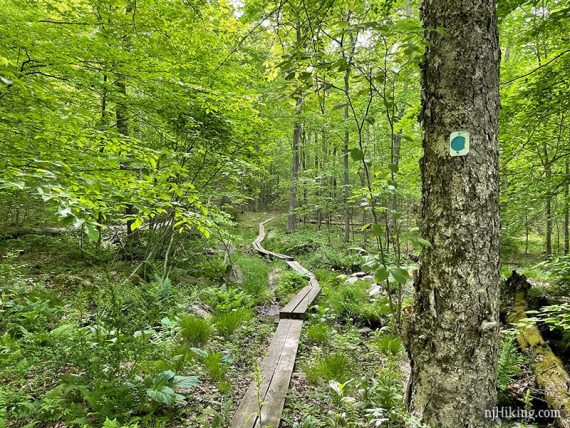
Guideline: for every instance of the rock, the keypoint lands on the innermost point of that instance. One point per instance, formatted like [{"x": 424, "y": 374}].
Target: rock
[
  {"x": 359, "y": 274},
  {"x": 136, "y": 280},
  {"x": 365, "y": 331},
  {"x": 352, "y": 280},
  {"x": 374, "y": 290},
  {"x": 67, "y": 280},
  {"x": 368, "y": 278},
  {"x": 274, "y": 278},
  {"x": 200, "y": 310},
  {"x": 234, "y": 274}
]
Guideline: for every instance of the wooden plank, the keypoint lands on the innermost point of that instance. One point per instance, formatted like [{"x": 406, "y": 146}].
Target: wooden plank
[
  {"x": 275, "y": 398},
  {"x": 297, "y": 267},
  {"x": 248, "y": 410},
  {"x": 304, "y": 305},
  {"x": 313, "y": 281},
  {"x": 294, "y": 302}
]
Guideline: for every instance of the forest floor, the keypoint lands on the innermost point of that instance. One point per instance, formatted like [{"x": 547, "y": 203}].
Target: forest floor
[{"x": 85, "y": 343}]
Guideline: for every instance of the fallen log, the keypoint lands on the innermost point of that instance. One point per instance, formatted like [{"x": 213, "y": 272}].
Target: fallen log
[
  {"x": 47, "y": 231},
  {"x": 549, "y": 370}
]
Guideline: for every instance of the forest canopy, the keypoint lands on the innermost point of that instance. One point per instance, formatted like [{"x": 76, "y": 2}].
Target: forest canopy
[{"x": 146, "y": 143}]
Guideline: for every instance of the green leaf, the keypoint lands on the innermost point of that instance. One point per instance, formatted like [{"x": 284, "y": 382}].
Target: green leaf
[
  {"x": 381, "y": 274},
  {"x": 163, "y": 395},
  {"x": 356, "y": 154},
  {"x": 377, "y": 230},
  {"x": 92, "y": 232},
  {"x": 400, "y": 275},
  {"x": 393, "y": 167},
  {"x": 136, "y": 223},
  {"x": 186, "y": 381},
  {"x": 424, "y": 242}
]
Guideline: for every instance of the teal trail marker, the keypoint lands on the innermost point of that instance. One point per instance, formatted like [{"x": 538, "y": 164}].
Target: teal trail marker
[{"x": 459, "y": 143}]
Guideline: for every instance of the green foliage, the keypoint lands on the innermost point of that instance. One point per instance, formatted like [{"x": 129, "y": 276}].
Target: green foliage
[
  {"x": 510, "y": 361},
  {"x": 195, "y": 331},
  {"x": 288, "y": 284},
  {"x": 351, "y": 302},
  {"x": 555, "y": 316},
  {"x": 332, "y": 366},
  {"x": 226, "y": 299},
  {"x": 216, "y": 364},
  {"x": 389, "y": 344},
  {"x": 319, "y": 334},
  {"x": 162, "y": 389},
  {"x": 227, "y": 323},
  {"x": 256, "y": 273}
]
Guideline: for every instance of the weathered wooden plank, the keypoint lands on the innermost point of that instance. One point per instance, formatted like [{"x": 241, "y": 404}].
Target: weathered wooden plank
[
  {"x": 297, "y": 267},
  {"x": 263, "y": 402},
  {"x": 303, "y": 306},
  {"x": 275, "y": 398},
  {"x": 248, "y": 410},
  {"x": 294, "y": 302}
]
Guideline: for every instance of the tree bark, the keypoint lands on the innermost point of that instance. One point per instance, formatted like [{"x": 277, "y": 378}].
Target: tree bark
[
  {"x": 122, "y": 122},
  {"x": 292, "y": 217},
  {"x": 345, "y": 165},
  {"x": 548, "y": 208},
  {"x": 452, "y": 336},
  {"x": 566, "y": 210}
]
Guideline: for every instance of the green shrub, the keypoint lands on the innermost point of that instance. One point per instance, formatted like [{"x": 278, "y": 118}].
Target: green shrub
[
  {"x": 387, "y": 391},
  {"x": 319, "y": 333},
  {"x": 225, "y": 299},
  {"x": 289, "y": 283},
  {"x": 510, "y": 362},
  {"x": 346, "y": 300},
  {"x": 255, "y": 277},
  {"x": 195, "y": 331},
  {"x": 228, "y": 322},
  {"x": 389, "y": 344},
  {"x": 335, "y": 366}
]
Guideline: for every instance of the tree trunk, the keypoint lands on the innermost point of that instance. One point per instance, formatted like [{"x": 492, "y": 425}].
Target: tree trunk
[
  {"x": 346, "y": 176},
  {"x": 292, "y": 217},
  {"x": 452, "y": 337},
  {"x": 548, "y": 208},
  {"x": 566, "y": 210},
  {"x": 122, "y": 122}
]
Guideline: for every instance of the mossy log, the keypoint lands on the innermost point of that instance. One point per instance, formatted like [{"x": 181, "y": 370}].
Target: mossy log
[
  {"x": 47, "y": 231},
  {"x": 550, "y": 373}
]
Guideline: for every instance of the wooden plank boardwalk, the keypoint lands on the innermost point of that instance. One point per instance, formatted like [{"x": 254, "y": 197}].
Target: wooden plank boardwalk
[{"x": 263, "y": 402}]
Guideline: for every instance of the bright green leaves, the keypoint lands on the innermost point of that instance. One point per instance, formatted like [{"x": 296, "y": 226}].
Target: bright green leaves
[
  {"x": 136, "y": 223},
  {"x": 162, "y": 390},
  {"x": 392, "y": 273},
  {"x": 399, "y": 274},
  {"x": 381, "y": 274},
  {"x": 356, "y": 154},
  {"x": 92, "y": 232}
]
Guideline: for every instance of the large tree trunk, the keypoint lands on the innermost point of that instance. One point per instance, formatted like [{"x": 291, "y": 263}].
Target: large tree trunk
[
  {"x": 566, "y": 210},
  {"x": 122, "y": 122},
  {"x": 345, "y": 165},
  {"x": 453, "y": 334},
  {"x": 548, "y": 208},
  {"x": 292, "y": 217}
]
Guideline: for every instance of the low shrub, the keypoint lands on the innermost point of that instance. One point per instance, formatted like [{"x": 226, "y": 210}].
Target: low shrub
[
  {"x": 319, "y": 333},
  {"x": 335, "y": 366},
  {"x": 195, "y": 331},
  {"x": 227, "y": 323}
]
